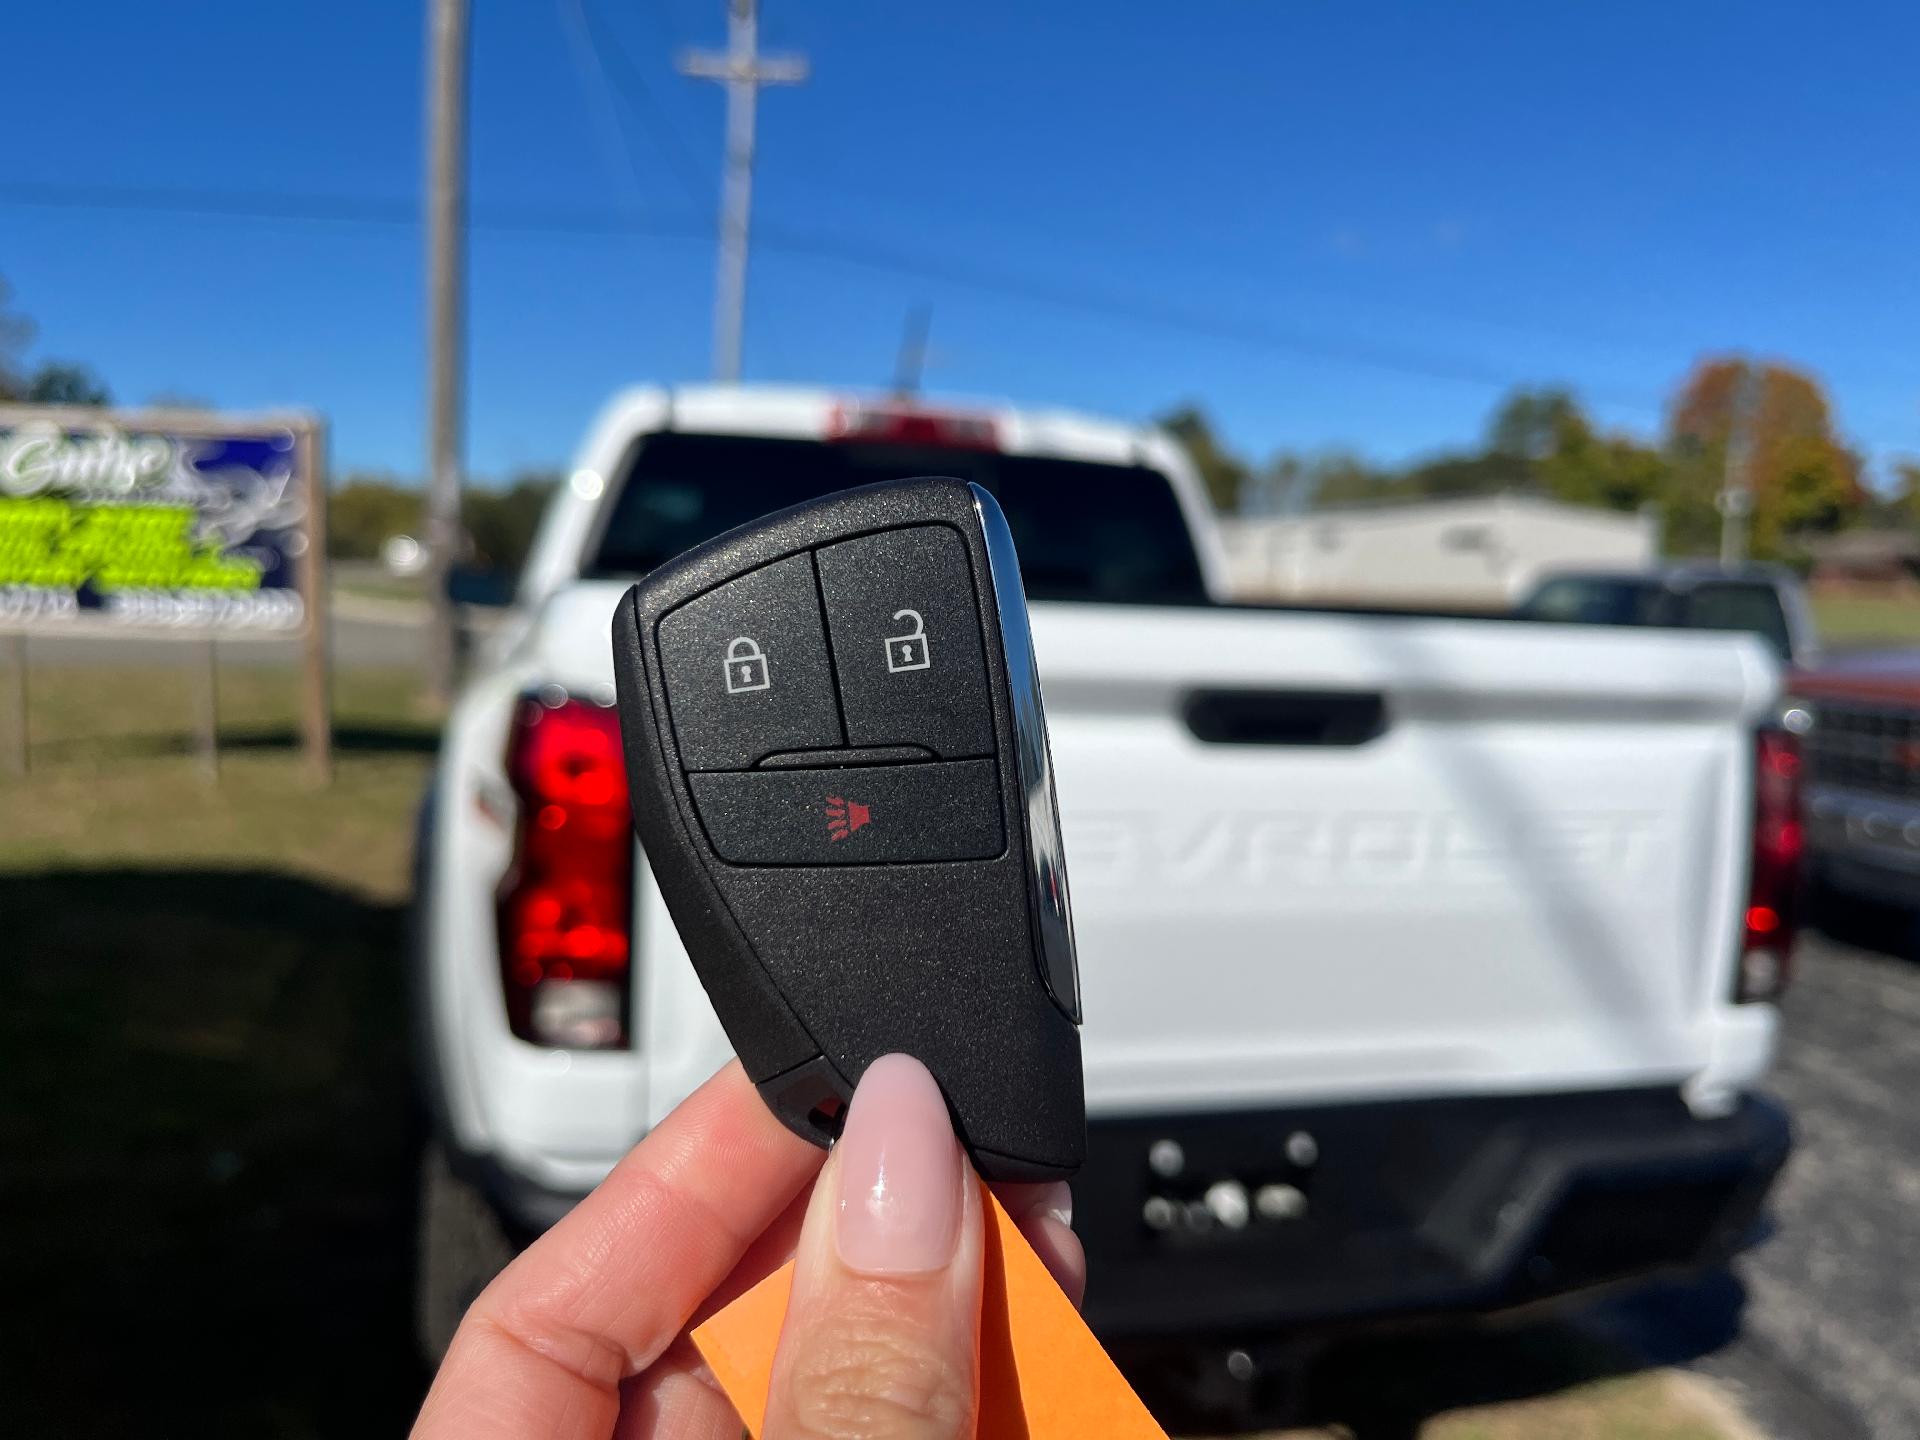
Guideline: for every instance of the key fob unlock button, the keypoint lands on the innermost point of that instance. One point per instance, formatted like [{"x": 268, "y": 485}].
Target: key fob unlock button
[
  {"x": 906, "y": 641},
  {"x": 746, "y": 669}
]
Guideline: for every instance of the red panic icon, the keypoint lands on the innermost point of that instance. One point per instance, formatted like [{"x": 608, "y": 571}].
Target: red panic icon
[{"x": 845, "y": 816}]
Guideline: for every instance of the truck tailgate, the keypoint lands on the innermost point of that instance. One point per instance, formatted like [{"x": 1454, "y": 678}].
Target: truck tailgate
[{"x": 1411, "y": 856}]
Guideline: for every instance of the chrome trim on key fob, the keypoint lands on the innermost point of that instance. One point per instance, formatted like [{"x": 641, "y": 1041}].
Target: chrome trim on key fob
[{"x": 1046, "y": 854}]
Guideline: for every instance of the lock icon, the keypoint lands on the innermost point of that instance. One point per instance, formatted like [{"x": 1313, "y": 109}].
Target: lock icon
[
  {"x": 908, "y": 651},
  {"x": 745, "y": 666}
]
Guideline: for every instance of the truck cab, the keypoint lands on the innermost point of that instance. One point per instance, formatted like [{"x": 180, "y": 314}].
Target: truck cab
[{"x": 1763, "y": 600}]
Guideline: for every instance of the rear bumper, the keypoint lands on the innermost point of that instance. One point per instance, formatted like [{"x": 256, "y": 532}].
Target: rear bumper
[
  {"x": 1408, "y": 1209},
  {"x": 525, "y": 1205}
]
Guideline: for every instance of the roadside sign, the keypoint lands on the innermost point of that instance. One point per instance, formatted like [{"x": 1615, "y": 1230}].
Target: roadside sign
[{"x": 167, "y": 525}]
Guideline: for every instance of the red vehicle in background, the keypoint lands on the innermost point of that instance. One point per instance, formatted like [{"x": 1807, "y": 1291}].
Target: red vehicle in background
[{"x": 1860, "y": 718}]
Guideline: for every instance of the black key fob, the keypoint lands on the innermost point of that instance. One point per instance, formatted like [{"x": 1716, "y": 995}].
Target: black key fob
[{"x": 840, "y": 776}]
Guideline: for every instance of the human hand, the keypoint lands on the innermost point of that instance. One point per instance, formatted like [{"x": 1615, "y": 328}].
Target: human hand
[{"x": 584, "y": 1337}]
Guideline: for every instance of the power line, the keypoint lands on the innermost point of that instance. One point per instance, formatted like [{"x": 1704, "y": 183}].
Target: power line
[
  {"x": 618, "y": 69},
  {"x": 602, "y": 106},
  {"x": 1092, "y": 299},
  {"x": 609, "y": 54},
  {"x": 340, "y": 210},
  {"x": 593, "y": 47},
  {"x": 972, "y": 275}
]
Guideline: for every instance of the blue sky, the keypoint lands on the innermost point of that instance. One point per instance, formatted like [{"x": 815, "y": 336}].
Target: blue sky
[{"x": 1334, "y": 225}]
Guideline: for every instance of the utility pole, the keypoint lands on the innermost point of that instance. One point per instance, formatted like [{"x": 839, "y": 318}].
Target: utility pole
[
  {"x": 743, "y": 70},
  {"x": 1736, "y": 485},
  {"x": 446, "y": 313}
]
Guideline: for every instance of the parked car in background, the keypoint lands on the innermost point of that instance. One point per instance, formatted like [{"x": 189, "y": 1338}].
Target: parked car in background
[
  {"x": 1763, "y": 600},
  {"x": 1861, "y": 719},
  {"x": 1428, "y": 962}
]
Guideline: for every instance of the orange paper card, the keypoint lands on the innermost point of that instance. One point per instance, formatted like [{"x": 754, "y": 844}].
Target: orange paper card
[{"x": 1042, "y": 1374}]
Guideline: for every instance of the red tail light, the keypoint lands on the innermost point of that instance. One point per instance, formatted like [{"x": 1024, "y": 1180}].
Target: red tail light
[
  {"x": 1779, "y": 842},
  {"x": 565, "y": 908},
  {"x": 899, "y": 424}
]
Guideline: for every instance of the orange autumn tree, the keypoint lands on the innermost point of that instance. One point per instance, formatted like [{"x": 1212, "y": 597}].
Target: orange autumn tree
[{"x": 1805, "y": 480}]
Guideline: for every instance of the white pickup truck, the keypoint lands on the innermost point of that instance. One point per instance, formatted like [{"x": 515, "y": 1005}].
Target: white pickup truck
[{"x": 1426, "y": 961}]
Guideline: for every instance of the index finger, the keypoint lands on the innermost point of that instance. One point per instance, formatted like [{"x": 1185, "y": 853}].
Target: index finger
[{"x": 606, "y": 1290}]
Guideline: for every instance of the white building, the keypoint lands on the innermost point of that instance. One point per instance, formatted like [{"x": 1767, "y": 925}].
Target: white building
[{"x": 1481, "y": 552}]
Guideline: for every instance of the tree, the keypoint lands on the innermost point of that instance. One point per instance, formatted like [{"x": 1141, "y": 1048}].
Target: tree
[
  {"x": 15, "y": 332},
  {"x": 1900, "y": 505},
  {"x": 365, "y": 511},
  {"x": 1579, "y": 465},
  {"x": 1290, "y": 483},
  {"x": 58, "y": 383},
  {"x": 1526, "y": 430},
  {"x": 1804, "y": 480},
  {"x": 1613, "y": 472},
  {"x": 1539, "y": 440},
  {"x": 1481, "y": 472},
  {"x": 55, "y": 382},
  {"x": 1533, "y": 424},
  {"x": 1338, "y": 478},
  {"x": 1224, "y": 474},
  {"x": 502, "y": 523}
]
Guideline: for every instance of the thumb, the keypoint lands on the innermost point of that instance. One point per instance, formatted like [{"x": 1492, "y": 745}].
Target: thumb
[{"x": 881, "y": 1335}]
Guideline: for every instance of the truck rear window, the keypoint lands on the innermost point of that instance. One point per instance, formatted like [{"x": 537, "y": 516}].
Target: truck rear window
[
  {"x": 1730, "y": 605},
  {"x": 1595, "y": 600},
  {"x": 1625, "y": 600},
  {"x": 1105, "y": 533}
]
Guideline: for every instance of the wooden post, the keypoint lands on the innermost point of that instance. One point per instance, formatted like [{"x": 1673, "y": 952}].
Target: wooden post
[
  {"x": 316, "y": 697},
  {"x": 18, "y": 755},
  {"x": 207, "y": 709},
  {"x": 448, "y": 52}
]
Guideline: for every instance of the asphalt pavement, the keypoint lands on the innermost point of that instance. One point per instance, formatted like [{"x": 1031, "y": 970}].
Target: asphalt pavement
[{"x": 1817, "y": 1330}]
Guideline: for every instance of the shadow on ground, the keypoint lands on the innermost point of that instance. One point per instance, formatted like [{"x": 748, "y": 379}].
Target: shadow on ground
[
  {"x": 206, "y": 1140},
  {"x": 1387, "y": 1386},
  {"x": 207, "y": 1188},
  {"x": 354, "y": 739},
  {"x": 401, "y": 739},
  {"x": 1865, "y": 924}
]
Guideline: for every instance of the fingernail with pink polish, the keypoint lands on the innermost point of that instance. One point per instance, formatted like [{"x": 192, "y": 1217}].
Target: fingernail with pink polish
[{"x": 900, "y": 1173}]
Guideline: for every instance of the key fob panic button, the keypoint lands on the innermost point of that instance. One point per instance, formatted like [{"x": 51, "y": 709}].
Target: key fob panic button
[
  {"x": 906, "y": 641},
  {"x": 854, "y": 815},
  {"x": 746, "y": 669}
]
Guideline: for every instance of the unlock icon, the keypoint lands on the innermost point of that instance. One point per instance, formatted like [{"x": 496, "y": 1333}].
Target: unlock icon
[{"x": 908, "y": 651}]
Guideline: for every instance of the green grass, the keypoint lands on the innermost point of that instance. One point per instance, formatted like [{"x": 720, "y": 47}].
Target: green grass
[
  {"x": 1861, "y": 620},
  {"x": 362, "y": 577},
  {"x": 115, "y": 780},
  {"x": 204, "y": 1104},
  {"x": 380, "y": 587}
]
